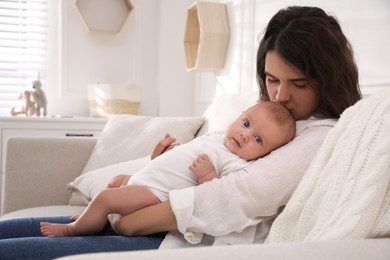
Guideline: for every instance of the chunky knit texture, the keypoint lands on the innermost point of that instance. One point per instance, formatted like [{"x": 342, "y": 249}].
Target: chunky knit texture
[{"x": 345, "y": 193}]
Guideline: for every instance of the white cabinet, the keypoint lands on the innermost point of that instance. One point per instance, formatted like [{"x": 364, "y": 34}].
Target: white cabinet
[{"x": 46, "y": 127}]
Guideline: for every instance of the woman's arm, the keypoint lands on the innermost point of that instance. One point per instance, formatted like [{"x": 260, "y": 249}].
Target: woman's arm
[
  {"x": 146, "y": 221},
  {"x": 239, "y": 200},
  {"x": 236, "y": 201}
]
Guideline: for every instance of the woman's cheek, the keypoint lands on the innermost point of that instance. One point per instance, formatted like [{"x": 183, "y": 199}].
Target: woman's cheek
[{"x": 271, "y": 93}]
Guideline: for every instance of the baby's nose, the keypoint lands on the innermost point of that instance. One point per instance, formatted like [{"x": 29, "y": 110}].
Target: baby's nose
[{"x": 244, "y": 136}]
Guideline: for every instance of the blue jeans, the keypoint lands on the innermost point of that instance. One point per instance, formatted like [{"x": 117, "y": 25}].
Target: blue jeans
[{"x": 22, "y": 239}]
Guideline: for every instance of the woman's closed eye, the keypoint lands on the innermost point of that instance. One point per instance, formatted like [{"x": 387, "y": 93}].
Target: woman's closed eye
[
  {"x": 272, "y": 80},
  {"x": 300, "y": 85}
]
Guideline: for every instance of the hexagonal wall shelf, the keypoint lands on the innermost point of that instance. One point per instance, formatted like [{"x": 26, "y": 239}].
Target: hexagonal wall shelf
[
  {"x": 207, "y": 36},
  {"x": 103, "y": 16}
]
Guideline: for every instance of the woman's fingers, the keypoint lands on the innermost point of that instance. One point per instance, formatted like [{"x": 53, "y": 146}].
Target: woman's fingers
[{"x": 165, "y": 144}]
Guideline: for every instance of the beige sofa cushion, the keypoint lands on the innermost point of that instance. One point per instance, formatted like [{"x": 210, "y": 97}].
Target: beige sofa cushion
[
  {"x": 377, "y": 249},
  {"x": 47, "y": 211}
]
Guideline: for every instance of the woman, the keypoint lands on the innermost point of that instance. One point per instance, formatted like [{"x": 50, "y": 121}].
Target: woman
[{"x": 306, "y": 63}]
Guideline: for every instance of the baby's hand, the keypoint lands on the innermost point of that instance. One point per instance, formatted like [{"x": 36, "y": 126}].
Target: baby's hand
[{"x": 203, "y": 169}]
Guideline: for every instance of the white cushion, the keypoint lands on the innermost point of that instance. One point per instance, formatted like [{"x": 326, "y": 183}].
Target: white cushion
[
  {"x": 127, "y": 137},
  {"x": 88, "y": 185}
]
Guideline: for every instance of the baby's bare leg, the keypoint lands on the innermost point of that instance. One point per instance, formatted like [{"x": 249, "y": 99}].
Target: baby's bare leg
[
  {"x": 116, "y": 182},
  {"x": 123, "y": 200}
]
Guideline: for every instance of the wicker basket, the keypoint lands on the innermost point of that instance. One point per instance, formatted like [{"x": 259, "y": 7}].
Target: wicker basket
[
  {"x": 106, "y": 99},
  {"x": 105, "y": 108}
]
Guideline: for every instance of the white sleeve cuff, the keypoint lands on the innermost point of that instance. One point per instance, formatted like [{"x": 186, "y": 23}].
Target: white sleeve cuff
[
  {"x": 182, "y": 203},
  {"x": 193, "y": 237}
]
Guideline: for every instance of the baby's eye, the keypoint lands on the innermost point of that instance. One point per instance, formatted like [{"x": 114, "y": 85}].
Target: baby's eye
[
  {"x": 246, "y": 123},
  {"x": 258, "y": 140}
]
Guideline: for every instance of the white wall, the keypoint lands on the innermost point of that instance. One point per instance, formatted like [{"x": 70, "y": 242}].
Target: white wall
[
  {"x": 175, "y": 85},
  {"x": 83, "y": 58},
  {"x": 239, "y": 72},
  {"x": 365, "y": 23},
  {"x": 149, "y": 52}
]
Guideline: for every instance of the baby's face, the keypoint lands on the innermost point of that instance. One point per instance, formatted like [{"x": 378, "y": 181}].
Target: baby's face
[{"x": 253, "y": 134}]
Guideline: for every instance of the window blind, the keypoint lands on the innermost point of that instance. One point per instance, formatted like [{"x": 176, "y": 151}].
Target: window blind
[{"x": 23, "y": 43}]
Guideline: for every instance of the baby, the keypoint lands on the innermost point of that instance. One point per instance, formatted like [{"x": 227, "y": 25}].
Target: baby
[{"x": 259, "y": 130}]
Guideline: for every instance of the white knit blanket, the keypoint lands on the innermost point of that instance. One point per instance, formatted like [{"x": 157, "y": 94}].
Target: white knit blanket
[{"x": 345, "y": 193}]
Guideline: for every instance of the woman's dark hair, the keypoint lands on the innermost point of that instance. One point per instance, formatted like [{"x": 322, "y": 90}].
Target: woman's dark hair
[{"x": 313, "y": 42}]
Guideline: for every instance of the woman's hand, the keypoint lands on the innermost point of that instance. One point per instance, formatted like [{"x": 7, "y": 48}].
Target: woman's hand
[
  {"x": 166, "y": 144},
  {"x": 119, "y": 181}
]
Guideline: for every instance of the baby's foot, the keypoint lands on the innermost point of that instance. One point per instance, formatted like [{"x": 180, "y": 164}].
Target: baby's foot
[{"x": 54, "y": 230}]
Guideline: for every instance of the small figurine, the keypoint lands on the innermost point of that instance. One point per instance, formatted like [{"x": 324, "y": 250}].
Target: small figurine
[
  {"x": 28, "y": 108},
  {"x": 39, "y": 98},
  {"x": 34, "y": 101}
]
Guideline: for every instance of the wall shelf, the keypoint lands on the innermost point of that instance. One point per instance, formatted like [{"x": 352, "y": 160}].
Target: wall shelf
[
  {"x": 206, "y": 36},
  {"x": 103, "y": 16}
]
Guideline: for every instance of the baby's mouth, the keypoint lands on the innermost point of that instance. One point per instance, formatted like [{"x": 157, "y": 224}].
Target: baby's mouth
[{"x": 236, "y": 142}]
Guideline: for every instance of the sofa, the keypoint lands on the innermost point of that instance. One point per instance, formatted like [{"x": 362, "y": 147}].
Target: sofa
[{"x": 58, "y": 176}]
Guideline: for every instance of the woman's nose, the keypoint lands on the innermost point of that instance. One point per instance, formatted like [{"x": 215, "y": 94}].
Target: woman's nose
[{"x": 283, "y": 94}]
